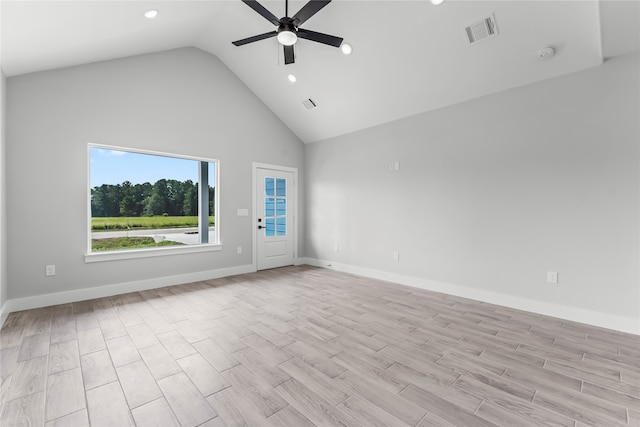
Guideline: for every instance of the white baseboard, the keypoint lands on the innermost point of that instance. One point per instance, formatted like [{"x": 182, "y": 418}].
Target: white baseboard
[
  {"x": 37, "y": 301},
  {"x": 604, "y": 320},
  {"x": 576, "y": 314},
  {"x": 4, "y": 313}
]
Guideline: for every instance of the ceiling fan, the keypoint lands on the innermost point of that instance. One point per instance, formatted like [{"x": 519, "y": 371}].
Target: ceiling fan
[{"x": 289, "y": 29}]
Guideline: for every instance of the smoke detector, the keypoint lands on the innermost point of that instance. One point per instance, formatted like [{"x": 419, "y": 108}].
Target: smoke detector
[
  {"x": 546, "y": 53},
  {"x": 481, "y": 30}
]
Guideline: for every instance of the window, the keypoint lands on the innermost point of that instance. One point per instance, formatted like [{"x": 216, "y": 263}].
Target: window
[{"x": 147, "y": 204}]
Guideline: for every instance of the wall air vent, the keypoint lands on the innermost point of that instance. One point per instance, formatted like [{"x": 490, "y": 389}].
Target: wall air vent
[
  {"x": 309, "y": 103},
  {"x": 481, "y": 30}
]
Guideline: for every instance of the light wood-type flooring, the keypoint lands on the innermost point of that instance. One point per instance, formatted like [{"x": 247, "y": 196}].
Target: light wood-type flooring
[{"x": 302, "y": 346}]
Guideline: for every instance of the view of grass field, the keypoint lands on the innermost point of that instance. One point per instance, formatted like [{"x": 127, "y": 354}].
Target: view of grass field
[
  {"x": 145, "y": 222},
  {"x": 115, "y": 243}
]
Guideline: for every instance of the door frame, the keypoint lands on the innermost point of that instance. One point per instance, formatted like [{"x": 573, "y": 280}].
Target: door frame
[{"x": 254, "y": 185}]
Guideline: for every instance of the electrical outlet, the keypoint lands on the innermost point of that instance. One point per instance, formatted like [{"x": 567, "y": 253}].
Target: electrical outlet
[
  {"x": 336, "y": 247},
  {"x": 396, "y": 256},
  {"x": 552, "y": 277},
  {"x": 391, "y": 166},
  {"x": 239, "y": 250},
  {"x": 50, "y": 270},
  {"x": 396, "y": 166}
]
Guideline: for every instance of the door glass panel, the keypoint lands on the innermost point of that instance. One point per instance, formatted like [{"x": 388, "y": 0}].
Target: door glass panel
[
  {"x": 270, "y": 227},
  {"x": 281, "y": 226},
  {"x": 281, "y": 205},
  {"x": 275, "y": 207},
  {"x": 269, "y": 207},
  {"x": 269, "y": 186},
  {"x": 281, "y": 187}
]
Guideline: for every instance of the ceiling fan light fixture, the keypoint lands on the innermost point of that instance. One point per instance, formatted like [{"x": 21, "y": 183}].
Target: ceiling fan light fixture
[
  {"x": 287, "y": 38},
  {"x": 287, "y": 34}
]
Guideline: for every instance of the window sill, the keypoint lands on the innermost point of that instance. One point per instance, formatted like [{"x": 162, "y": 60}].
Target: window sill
[{"x": 149, "y": 253}]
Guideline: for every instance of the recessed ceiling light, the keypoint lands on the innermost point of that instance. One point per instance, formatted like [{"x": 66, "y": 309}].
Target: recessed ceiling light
[
  {"x": 150, "y": 14},
  {"x": 292, "y": 78},
  {"x": 346, "y": 48},
  {"x": 437, "y": 2}
]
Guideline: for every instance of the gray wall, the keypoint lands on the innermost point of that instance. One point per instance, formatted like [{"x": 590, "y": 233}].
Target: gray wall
[
  {"x": 493, "y": 193},
  {"x": 182, "y": 101},
  {"x": 3, "y": 204}
]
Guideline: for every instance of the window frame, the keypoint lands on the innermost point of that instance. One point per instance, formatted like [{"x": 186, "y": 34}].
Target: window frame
[{"x": 214, "y": 240}]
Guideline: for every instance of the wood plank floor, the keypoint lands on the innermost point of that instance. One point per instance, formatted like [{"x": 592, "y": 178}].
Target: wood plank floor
[{"x": 302, "y": 346}]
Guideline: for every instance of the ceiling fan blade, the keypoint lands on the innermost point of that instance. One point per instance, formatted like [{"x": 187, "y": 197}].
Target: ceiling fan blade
[
  {"x": 255, "y": 38},
  {"x": 253, "y": 4},
  {"x": 308, "y": 10},
  {"x": 288, "y": 55},
  {"x": 320, "y": 37}
]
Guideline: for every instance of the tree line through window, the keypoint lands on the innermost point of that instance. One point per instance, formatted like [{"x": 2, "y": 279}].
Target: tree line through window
[{"x": 164, "y": 197}]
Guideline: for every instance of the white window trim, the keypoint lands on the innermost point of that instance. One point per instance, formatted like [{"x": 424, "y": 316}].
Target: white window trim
[
  {"x": 149, "y": 253},
  {"x": 90, "y": 257}
]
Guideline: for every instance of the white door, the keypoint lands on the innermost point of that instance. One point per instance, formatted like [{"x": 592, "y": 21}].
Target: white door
[{"x": 275, "y": 200}]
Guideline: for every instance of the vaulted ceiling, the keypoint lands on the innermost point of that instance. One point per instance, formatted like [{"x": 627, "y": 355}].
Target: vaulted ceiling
[{"x": 408, "y": 56}]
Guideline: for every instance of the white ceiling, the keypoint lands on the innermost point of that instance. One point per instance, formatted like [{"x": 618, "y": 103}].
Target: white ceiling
[{"x": 409, "y": 56}]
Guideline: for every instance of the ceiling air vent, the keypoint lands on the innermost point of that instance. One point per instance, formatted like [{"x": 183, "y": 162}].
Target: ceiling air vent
[
  {"x": 481, "y": 30},
  {"x": 309, "y": 103}
]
